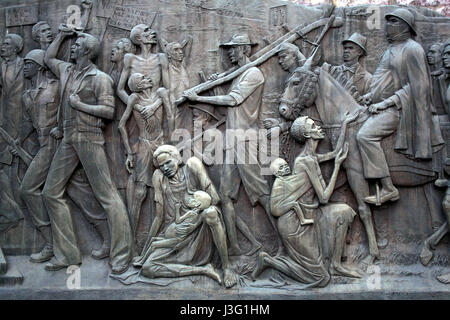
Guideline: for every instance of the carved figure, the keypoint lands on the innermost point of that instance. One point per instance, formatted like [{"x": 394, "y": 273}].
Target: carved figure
[
  {"x": 184, "y": 224},
  {"x": 434, "y": 58},
  {"x": 289, "y": 59},
  {"x": 352, "y": 75},
  {"x": 280, "y": 169},
  {"x": 400, "y": 96},
  {"x": 146, "y": 104},
  {"x": 243, "y": 103},
  {"x": 86, "y": 100},
  {"x": 304, "y": 243},
  {"x": 41, "y": 103},
  {"x": 152, "y": 65},
  {"x": 115, "y": 148},
  {"x": 179, "y": 80},
  {"x": 42, "y": 34},
  {"x": 11, "y": 87},
  {"x": 174, "y": 185},
  {"x": 432, "y": 241}
]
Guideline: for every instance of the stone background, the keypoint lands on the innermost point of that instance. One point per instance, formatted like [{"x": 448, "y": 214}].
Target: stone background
[{"x": 405, "y": 223}]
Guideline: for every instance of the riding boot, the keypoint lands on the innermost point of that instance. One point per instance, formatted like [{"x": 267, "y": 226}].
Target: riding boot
[
  {"x": 102, "y": 228},
  {"x": 47, "y": 252}
]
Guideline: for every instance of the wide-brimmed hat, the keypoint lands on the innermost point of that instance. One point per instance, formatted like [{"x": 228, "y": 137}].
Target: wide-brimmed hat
[
  {"x": 238, "y": 40},
  {"x": 405, "y": 15},
  {"x": 36, "y": 55},
  {"x": 359, "y": 40}
]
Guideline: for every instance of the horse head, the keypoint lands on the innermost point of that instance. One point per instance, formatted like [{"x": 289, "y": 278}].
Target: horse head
[{"x": 300, "y": 91}]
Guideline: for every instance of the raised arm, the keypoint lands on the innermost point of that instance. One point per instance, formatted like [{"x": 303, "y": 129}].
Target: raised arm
[
  {"x": 52, "y": 51},
  {"x": 349, "y": 117},
  {"x": 324, "y": 194},
  {"x": 164, "y": 70}
]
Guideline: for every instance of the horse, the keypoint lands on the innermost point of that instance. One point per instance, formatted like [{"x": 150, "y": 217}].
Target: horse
[{"x": 309, "y": 86}]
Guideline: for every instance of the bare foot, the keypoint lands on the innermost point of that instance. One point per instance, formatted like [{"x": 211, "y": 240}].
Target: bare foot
[
  {"x": 343, "y": 271},
  {"x": 426, "y": 255},
  {"x": 260, "y": 265},
  {"x": 367, "y": 261},
  {"x": 212, "y": 273},
  {"x": 444, "y": 278},
  {"x": 229, "y": 278},
  {"x": 255, "y": 248}
]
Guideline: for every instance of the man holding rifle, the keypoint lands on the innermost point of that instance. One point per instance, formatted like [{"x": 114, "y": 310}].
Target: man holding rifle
[{"x": 243, "y": 104}]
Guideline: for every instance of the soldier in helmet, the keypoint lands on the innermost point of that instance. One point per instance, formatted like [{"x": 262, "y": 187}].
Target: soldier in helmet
[
  {"x": 400, "y": 100},
  {"x": 41, "y": 103},
  {"x": 353, "y": 70}
]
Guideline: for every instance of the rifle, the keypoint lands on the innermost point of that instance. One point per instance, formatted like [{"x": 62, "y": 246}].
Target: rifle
[
  {"x": 25, "y": 156},
  {"x": 261, "y": 56}
]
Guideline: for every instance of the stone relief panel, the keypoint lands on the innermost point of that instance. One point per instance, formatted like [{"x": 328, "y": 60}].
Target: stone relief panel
[{"x": 252, "y": 145}]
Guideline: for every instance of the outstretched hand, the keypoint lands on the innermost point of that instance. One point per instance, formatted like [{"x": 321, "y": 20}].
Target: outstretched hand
[
  {"x": 351, "y": 116},
  {"x": 342, "y": 154},
  {"x": 129, "y": 163}
]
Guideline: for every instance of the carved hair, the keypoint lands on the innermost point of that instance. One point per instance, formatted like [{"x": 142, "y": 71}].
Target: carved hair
[
  {"x": 204, "y": 198},
  {"x": 17, "y": 40},
  {"x": 136, "y": 31},
  {"x": 169, "y": 48},
  {"x": 170, "y": 150},
  {"x": 446, "y": 44},
  {"x": 299, "y": 128},
  {"x": 294, "y": 50},
  {"x": 36, "y": 29},
  {"x": 134, "y": 80},
  {"x": 440, "y": 46},
  {"x": 92, "y": 44},
  {"x": 275, "y": 165},
  {"x": 128, "y": 46}
]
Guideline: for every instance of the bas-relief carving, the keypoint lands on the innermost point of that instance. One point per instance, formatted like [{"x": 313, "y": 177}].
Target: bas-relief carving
[{"x": 102, "y": 132}]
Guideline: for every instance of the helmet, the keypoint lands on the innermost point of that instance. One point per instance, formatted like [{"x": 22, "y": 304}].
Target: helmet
[
  {"x": 405, "y": 15},
  {"x": 36, "y": 55},
  {"x": 359, "y": 40}
]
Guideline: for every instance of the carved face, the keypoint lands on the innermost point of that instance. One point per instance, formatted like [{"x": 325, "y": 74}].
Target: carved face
[
  {"x": 168, "y": 165},
  {"x": 148, "y": 36},
  {"x": 283, "y": 168},
  {"x": 235, "y": 53},
  {"x": 395, "y": 26},
  {"x": 313, "y": 131},
  {"x": 287, "y": 60},
  {"x": 446, "y": 57},
  {"x": 117, "y": 52},
  {"x": 434, "y": 55},
  {"x": 351, "y": 52},
  {"x": 45, "y": 34},
  {"x": 8, "y": 48},
  {"x": 176, "y": 52},
  {"x": 30, "y": 69},
  {"x": 78, "y": 49}
]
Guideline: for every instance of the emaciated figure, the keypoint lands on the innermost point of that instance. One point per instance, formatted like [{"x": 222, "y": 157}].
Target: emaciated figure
[
  {"x": 308, "y": 245},
  {"x": 175, "y": 184}
]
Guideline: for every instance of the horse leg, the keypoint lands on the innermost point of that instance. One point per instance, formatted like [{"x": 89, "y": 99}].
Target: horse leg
[{"x": 360, "y": 188}]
